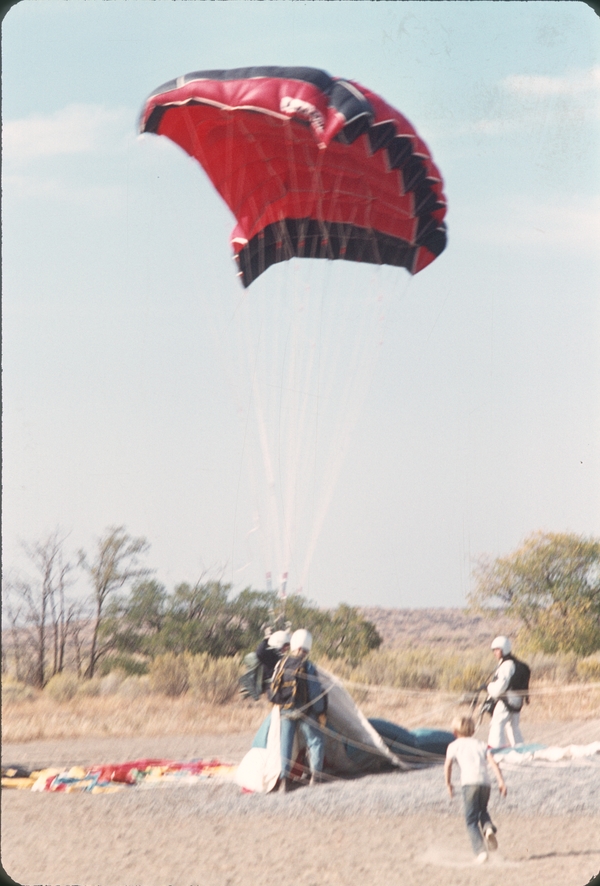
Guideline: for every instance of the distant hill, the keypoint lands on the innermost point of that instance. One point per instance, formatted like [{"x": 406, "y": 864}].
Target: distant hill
[{"x": 435, "y": 627}]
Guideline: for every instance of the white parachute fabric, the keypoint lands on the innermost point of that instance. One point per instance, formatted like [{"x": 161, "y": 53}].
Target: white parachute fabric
[
  {"x": 346, "y": 727},
  {"x": 347, "y": 720},
  {"x": 537, "y": 753},
  {"x": 259, "y": 770}
]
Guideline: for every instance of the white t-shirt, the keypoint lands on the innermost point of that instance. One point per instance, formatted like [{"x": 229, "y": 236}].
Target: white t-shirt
[{"x": 470, "y": 754}]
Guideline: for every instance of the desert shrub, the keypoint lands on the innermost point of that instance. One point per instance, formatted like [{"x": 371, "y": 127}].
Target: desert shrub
[
  {"x": 90, "y": 688},
  {"x": 129, "y": 664},
  {"x": 559, "y": 668},
  {"x": 415, "y": 669},
  {"x": 63, "y": 686},
  {"x": 588, "y": 669},
  {"x": 402, "y": 669},
  {"x": 168, "y": 674},
  {"x": 14, "y": 690},
  {"x": 427, "y": 668},
  {"x": 338, "y": 666},
  {"x": 109, "y": 684},
  {"x": 135, "y": 686},
  {"x": 465, "y": 678},
  {"x": 215, "y": 680}
]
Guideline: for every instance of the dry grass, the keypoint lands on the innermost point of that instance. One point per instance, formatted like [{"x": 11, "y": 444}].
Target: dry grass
[
  {"x": 549, "y": 702},
  {"x": 39, "y": 716},
  {"x": 413, "y": 687},
  {"x": 115, "y": 715}
]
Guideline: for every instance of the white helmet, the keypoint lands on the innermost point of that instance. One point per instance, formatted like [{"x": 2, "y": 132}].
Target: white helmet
[
  {"x": 278, "y": 639},
  {"x": 301, "y": 640},
  {"x": 502, "y": 643}
]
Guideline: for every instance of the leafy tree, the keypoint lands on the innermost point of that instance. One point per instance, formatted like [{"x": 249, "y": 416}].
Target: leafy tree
[
  {"x": 348, "y": 635},
  {"x": 551, "y": 584},
  {"x": 115, "y": 565},
  {"x": 132, "y": 624},
  {"x": 257, "y": 610},
  {"x": 204, "y": 619},
  {"x": 339, "y": 633},
  {"x": 200, "y": 618}
]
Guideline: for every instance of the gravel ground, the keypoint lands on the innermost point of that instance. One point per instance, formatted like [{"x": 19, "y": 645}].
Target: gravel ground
[
  {"x": 562, "y": 788},
  {"x": 552, "y": 790},
  {"x": 391, "y": 828}
]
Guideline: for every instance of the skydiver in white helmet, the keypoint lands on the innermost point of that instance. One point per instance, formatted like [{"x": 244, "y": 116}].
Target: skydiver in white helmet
[
  {"x": 270, "y": 650},
  {"x": 303, "y": 707},
  {"x": 504, "y": 728}
]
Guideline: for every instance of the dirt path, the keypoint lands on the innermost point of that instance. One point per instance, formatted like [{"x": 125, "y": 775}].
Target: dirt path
[
  {"x": 61, "y": 839},
  {"x": 135, "y": 839}
]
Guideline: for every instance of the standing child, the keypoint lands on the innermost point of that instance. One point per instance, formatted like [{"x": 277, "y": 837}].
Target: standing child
[{"x": 473, "y": 757}]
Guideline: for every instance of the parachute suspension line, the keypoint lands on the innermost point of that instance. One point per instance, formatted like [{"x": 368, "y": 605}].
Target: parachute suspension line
[
  {"x": 317, "y": 189},
  {"x": 259, "y": 211},
  {"x": 346, "y": 230},
  {"x": 263, "y": 349},
  {"x": 193, "y": 133},
  {"x": 343, "y": 228},
  {"x": 302, "y": 231},
  {"x": 359, "y": 365},
  {"x": 314, "y": 368},
  {"x": 201, "y": 158},
  {"x": 294, "y": 190},
  {"x": 281, "y": 399},
  {"x": 227, "y": 187},
  {"x": 244, "y": 404},
  {"x": 264, "y": 421},
  {"x": 286, "y": 385},
  {"x": 373, "y": 238},
  {"x": 248, "y": 411},
  {"x": 234, "y": 184},
  {"x": 297, "y": 369},
  {"x": 298, "y": 359},
  {"x": 317, "y": 416}
]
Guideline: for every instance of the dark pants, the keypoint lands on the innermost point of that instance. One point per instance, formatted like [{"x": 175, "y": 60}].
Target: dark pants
[{"x": 476, "y": 797}]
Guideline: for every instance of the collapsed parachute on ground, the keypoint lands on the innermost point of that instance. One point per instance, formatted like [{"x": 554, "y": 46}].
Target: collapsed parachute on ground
[
  {"x": 353, "y": 745},
  {"x": 310, "y": 165}
]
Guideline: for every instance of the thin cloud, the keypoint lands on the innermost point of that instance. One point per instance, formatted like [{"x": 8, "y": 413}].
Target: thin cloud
[
  {"x": 575, "y": 83},
  {"x": 526, "y": 102},
  {"x": 573, "y": 225},
  {"x": 497, "y": 125},
  {"x": 102, "y": 198},
  {"x": 76, "y": 129}
]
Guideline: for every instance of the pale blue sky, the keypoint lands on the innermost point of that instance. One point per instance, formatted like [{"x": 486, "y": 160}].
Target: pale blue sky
[{"x": 123, "y": 399}]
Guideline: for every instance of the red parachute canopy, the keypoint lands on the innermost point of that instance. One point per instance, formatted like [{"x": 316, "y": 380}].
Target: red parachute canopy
[{"x": 310, "y": 165}]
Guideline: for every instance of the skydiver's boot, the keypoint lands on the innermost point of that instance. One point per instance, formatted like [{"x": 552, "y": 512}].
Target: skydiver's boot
[{"x": 316, "y": 778}]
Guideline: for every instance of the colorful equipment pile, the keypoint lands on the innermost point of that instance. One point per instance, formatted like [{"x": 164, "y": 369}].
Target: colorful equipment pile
[{"x": 107, "y": 778}]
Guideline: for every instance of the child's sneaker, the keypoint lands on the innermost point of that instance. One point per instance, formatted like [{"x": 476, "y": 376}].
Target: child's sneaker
[
  {"x": 491, "y": 840},
  {"x": 481, "y": 858}
]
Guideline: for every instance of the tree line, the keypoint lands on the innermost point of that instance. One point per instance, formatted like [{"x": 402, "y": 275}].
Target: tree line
[
  {"x": 550, "y": 584},
  {"x": 130, "y": 618}
]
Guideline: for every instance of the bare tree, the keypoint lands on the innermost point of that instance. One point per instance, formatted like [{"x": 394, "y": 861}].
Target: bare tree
[
  {"x": 116, "y": 564},
  {"x": 76, "y": 629},
  {"x": 41, "y": 610},
  {"x": 15, "y": 617}
]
